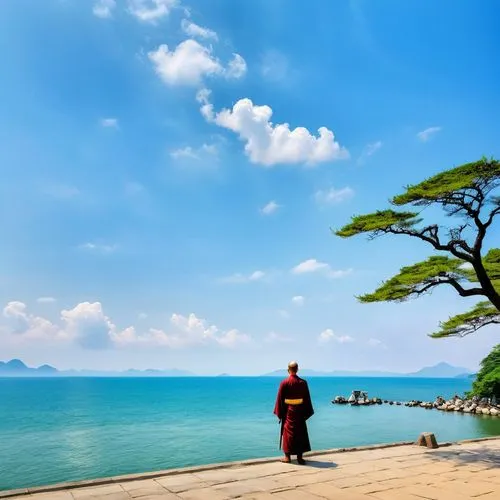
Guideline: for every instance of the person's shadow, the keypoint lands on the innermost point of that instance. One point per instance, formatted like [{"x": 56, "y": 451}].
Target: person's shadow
[{"x": 317, "y": 464}]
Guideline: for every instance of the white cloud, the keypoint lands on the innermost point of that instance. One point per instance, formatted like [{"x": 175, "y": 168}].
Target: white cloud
[
  {"x": 428, "y": 133},
  {"x": 193, "y": 30},
  {"x": 314, "y": 266},
  {"x": 268, "y": 144},
  {"x": 237, "y": 67},
  {"x": 22, "y": 323},
  {"x": 190, "y": 62},
  {"x": 187, "y": 64},
  {"x": 269, "y": 208},
  {"x": 46, "y": 300},
  {"x": 298, "y": 300},
  {"x": 329, "y": 335},
  {"x": 104, "y": 8},
  {"x": 466, "y": 266},
  {"x": 374, "y": 342},
  {"x": 244, "y": 278},
  {"x": 186, "y": 331},
  {"x": 273, "y": 338},
  {"x": 189, "y": 152},
  {"x": 284, "y": 314},
  {"x": 333, "y": 196},
  {"x": 98, "y": 248},
  {"x": 109, "y": 122},
  {"x": 87, "y": 324},
  {"x": 151, "y": 10}
]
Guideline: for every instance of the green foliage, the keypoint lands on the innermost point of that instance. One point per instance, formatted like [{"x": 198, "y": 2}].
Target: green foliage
[
  {"x": 416, "y": 279},
  {"x": 487, "y": 383},
  {"x": 481, "y": 174},
  {"x": 380, "y": 220},
  {"x": 482, "y": 314},
  {"x": 464, "y": 191}
]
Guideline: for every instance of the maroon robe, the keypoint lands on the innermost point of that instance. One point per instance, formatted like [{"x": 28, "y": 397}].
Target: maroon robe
[{"x": 293, "y": 416}]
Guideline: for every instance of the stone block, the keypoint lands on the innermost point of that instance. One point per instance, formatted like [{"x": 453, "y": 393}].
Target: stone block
[{"x": 428, "y": 440}]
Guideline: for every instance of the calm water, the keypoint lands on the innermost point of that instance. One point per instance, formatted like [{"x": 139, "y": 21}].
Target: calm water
[{"x": 54, "y": 430}]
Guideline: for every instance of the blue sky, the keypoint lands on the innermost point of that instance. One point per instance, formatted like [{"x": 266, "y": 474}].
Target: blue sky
[{"x": 157, "y": 212}]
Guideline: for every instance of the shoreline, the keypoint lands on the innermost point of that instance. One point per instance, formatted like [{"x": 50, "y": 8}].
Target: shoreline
[{"x": 71, "y": 485}]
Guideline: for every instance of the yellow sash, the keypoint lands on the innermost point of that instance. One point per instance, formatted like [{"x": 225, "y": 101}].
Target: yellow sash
[{"x": 294, "y": 401}]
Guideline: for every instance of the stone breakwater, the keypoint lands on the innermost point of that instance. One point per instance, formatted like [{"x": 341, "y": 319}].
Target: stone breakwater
[{"x": 473, "y": 406}]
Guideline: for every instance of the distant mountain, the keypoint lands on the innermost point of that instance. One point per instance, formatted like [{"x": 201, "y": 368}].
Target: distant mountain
[
  {"x": 313, "y": 373},
  {"x": 16, "y": 368},
  {"x": 441, "y": 370}
]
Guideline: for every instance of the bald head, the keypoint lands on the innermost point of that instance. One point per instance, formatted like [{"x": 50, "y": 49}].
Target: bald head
[{"x": 293, "y": 367}]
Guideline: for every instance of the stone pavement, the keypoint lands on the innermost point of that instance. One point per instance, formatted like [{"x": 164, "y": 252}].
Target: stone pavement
[{"x": 465, "y": 470}]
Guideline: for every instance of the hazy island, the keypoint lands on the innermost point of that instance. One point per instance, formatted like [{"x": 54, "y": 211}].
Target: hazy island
[{"x": 17, "y": 368}]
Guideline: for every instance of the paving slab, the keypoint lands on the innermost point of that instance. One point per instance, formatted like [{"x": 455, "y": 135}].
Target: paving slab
[{"x": 463, "y": 470}]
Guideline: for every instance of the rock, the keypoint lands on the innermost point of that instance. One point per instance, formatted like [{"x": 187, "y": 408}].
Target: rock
[
  {"x": 486, "y": 411},
  {"x": 427, "y": 439},
  {"x": 398, "y": 403},
  {"x": 494, "y": 412}
]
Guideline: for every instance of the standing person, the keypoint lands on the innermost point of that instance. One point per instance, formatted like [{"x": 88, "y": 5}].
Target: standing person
[{"x": 293, "y": 407}]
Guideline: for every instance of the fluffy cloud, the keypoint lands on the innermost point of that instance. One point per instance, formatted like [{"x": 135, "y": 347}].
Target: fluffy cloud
[
  {"x": 20, "y": 322},
  {"x": 189, "y": 152},
  {"x": 151, "y": 10},
  {"x": 87, "y": 325},
  {"x": 269, "y": 144},
  {"x": 104, "y": 8},
  {"x": 190, "y": 62},
  {"x": 244, "y": 278},
  {"x": 314, "y": 266},
  {"x": 237, "y": 67},
  {"x": 269, "y": 208},
  {"x": 329, "y": 335},
  {"x": 187, "y": 331},
  {"x": 109, "y": 122},
  {"x": 193, "y": 30},
  {"x": 298, "y": 300},
  {"x": 333, "y": 196},
  {"x": 428, "y": 133}
]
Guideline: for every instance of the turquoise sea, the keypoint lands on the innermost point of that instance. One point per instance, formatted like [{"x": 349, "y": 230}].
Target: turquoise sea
[{"x": 63, "y": 429}]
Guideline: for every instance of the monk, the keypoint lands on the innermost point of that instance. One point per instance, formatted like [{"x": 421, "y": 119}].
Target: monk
[{"x": 293, "y": 407}]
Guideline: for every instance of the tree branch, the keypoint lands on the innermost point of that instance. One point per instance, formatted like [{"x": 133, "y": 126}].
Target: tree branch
[
  {"x": 494, "y": 212},
  {"x": 463, "y": 292},
  {"x": 433, "y": 240}
]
